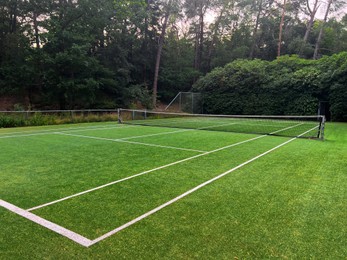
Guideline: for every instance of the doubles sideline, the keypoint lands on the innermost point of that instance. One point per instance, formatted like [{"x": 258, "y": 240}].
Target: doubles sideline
[{"x": 51, "y": 131}]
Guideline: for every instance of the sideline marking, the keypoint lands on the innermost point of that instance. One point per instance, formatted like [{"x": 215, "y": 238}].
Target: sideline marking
[
  {"x": 152, "y": 170},
  {"x": 132, "y": 222},
  {"x": 52, "y": 131},
  {"x": 47, "y": 224}
]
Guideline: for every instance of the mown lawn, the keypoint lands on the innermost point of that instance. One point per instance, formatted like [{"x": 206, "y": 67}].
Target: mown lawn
[{"x": 290, "y": 203}]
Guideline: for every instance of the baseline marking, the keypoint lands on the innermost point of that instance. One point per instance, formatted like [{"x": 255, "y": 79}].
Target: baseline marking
[
  {"x": 152, "y": 170},
  {"x": 47, "y": 224}
]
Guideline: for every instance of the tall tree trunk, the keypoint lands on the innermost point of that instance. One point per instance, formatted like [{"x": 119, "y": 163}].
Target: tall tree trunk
[
  {"x": 144, "y": 45},
  {"x": 320, "y": 36},
  {"x": 36, "y": 29},
  {"x": 312, "y": 16},
  {"x": 214, "y": 38},
  {"x": 196, "y": 49},
  {"x": 159, "y": 51},
  {"x": 281, "y": 27},
  {"x": 201, "y": 37},
  {"x": 255, "y": 30},
  {"x": 13, "y": 17}
]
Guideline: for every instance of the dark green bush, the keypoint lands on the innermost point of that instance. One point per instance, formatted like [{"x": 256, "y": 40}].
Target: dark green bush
[
  {"x": 9, "y": 121},
  {"x": 38, "y": 119},
  {"x": 288, "y": 85}
]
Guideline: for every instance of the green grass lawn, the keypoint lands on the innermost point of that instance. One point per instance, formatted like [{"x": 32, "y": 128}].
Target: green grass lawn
[{"x": 290, "y": 203}]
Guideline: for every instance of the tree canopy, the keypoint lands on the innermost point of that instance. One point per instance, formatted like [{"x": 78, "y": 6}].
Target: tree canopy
[{"x": 67, "y": 54}]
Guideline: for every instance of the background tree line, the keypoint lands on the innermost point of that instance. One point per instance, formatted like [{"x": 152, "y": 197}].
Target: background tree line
[{"x": 110, "y": 53}]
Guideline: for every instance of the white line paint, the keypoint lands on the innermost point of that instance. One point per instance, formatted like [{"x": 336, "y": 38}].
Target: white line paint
[
  {"x": 132, "y": 222},
  {"x": 60, "y": 128},
  {"x": 87, "y": 242},
  {"x": 48, "y": 132},
  {"x": 47, "y": 224},
  {"x": 162, "y": 146},
  {"x": 189, "y": 130},
  {"x": 152, "y": 170},
  {"x": 97, "y": 129},
  {"x": 143, "y": 173},
  {"x": 174, "y": 132},
  {"x": 23, "y": 135},
  {"x": 130, "y": 142},
  {"x": 150, "y": 135}
]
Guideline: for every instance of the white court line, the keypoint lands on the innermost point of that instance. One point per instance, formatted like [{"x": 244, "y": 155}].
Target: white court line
[
  {"x": 96, "y": 129},
  {"x": 56, "y": 129},
  {"x": 130, "y": 142},
  {"x": 152, "y": 170},
  {"x": 48, "y": 132},
  {"x": 87, "y": 242},
  {"x": 142, "y": 173},
  {"x": 132, "y": 222},
  {"x": 173, "y": 132},
  {"x": 47, "y": 224}
]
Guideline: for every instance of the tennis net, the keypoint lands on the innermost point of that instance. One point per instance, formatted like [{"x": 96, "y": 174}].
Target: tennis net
[{"x": 290, "y": 126}]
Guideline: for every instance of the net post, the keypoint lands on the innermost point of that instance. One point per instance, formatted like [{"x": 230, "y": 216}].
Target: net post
[
  {"x": 119, "y": 116},
  {"x": 320, "y": 133},
  {"x": 180, "y": 103},
  {"x": 323, "y": 127}
]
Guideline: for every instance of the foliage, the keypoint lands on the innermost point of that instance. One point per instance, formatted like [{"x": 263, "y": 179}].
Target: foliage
[
  {"x": 102, "y": 54},
  {"x": 288, "y": 85},
  {"x": 39, "y": 119}
]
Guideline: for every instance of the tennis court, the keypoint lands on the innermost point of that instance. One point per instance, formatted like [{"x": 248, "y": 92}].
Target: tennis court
[{"x": 89, "y": 182}]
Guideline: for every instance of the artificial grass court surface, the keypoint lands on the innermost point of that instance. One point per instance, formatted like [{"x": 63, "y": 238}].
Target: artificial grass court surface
[{"x": 291, "y": 203}]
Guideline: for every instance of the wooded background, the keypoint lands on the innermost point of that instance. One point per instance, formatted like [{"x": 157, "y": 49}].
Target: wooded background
[{"x": 68, "y": 54}]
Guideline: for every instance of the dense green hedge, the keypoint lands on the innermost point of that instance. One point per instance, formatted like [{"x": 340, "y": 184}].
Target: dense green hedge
[
  {"x": 39, "y": 119},
  {"x": 288, "y": 85}
]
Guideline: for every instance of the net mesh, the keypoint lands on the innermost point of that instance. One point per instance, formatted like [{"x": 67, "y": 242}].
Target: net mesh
[{"x": 290, "y": 126}]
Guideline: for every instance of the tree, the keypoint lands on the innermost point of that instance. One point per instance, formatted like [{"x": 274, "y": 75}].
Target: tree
[
  {"x": 281, "y": 27},
  {"x": 159, "y": 51},
  {"x": 320, "y": 35},
  {"x": 312, "y": 13}
]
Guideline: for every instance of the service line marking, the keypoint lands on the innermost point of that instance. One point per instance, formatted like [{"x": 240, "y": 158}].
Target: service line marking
[{"x": 130, "y": 142}]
